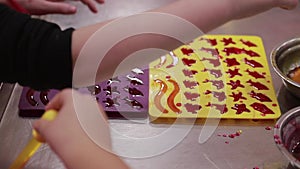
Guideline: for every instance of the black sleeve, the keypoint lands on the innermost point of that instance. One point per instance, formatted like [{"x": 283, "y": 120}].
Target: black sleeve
[{"x": 33, "y": 52}]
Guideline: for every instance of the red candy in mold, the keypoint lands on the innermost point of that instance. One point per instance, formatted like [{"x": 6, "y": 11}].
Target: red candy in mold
[
  {"x": 212, "y": 42},
  {"x": 133, "y": 91},
  {"x": 214, "y": 62},
  {"x": 227, "y": 41},
  {"x": 218, "y": 83},
  {"x": 191, "y": 96},
  {"x": 221, "y": 107},
  {"x": 192, "y": 108},
  {"x": 186, "y": 51},
  {"x": 189, "y": 73},
  {"x": 133, "y": 103},
  {"x": 257, "y": 85},
  {"x": 212, "y": 51},
  {"x": 110, "y": 81},
  {"x": 260, "y": 96},
  {"x": 240, "y": 108},
  {"x": 111, "y": 102},
  {"x": 231, "y": 62},
  {"x": 255, "y": 74},
  {"x": 248, "y": 43},
  {"x": 96, "y": 89},
  {"x": 232, "y": 50},
  {"x": 188, "y": 62},
  {"x": 219, "y": 95},
  {"x": 252, "y": 63},
  {"x": 234, "y": 72},
  {"x": 261, "y": 108},
  {"x": 237, "y": 96},
  {"x": 190, "y": 84},
  {"x": 235, "y": 84},
  {"x": 216, "y": 72},
  {"x": 30, "y": 97},
  {"x": 44, "y": 97}
]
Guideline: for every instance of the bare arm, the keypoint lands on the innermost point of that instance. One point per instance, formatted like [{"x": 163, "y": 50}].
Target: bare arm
[{"x": 205, "y": 14}]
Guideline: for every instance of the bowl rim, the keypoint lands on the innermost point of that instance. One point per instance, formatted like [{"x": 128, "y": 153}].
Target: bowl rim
[
  {"x": 273, "y": 55},
  {"x": 277, "y": 132}
]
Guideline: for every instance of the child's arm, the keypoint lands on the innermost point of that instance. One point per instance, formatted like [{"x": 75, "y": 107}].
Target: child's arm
[
  {"x": 67, "y": 138},
  {"x": 205, "y": 14},
  {"x": 51, "y": 52}
]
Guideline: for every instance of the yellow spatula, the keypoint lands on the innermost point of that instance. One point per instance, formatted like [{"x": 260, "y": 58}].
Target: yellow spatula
[{"x": 33, "y": 145}]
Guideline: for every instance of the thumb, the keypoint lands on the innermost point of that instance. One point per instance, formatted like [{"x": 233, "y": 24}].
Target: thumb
[
  {"x": 41, "y": 126},
  {"x": 40, "y": 130}
]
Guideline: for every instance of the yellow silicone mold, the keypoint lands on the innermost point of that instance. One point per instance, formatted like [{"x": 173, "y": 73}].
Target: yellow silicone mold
[{"x": 215, "y": 76}]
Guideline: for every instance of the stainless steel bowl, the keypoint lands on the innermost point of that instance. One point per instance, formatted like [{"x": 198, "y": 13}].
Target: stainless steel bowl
[
  {"x": 287, "y": 135},
  {"x": 284, "y": 59}
]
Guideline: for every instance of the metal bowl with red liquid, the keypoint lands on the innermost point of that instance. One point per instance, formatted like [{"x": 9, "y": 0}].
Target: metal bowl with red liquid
[
  {"x": 287, "y": 136},
  {"x": 285, "y": 60}
]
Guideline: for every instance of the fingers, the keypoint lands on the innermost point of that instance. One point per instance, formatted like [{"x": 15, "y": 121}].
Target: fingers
[
  {"x": 49, "y": 7},
  {"x": 41, "y": 127},
  {"x": 58, "y": 103},
  {"x": 100, "y": 1},
  {"x": 59, "y": 7},
  {"x": 42, "y": 7},
  {"x": 91, "y": 5},
  {"x": 288, "y": 4},
  {"x": 59, "y": 100}
]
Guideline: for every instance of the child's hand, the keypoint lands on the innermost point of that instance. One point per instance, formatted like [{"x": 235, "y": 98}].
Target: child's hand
[
  {"x": 243, "y": 9},
  {"x": 288, "y": 4},
  {"x": 66, "y": 136},
  {"x": 41, "y": 7}
]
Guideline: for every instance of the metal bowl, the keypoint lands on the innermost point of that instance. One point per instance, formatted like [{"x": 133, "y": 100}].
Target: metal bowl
[
  {"x": 287, "y": 135},
  {"x": 284, "y": 59}
]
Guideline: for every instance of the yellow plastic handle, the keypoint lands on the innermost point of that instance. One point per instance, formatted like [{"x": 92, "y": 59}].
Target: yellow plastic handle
[{"x": 49, "y": 115}]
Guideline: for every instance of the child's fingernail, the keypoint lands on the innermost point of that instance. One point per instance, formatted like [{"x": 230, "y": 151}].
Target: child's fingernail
[{"x": 72, "y": 9}]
